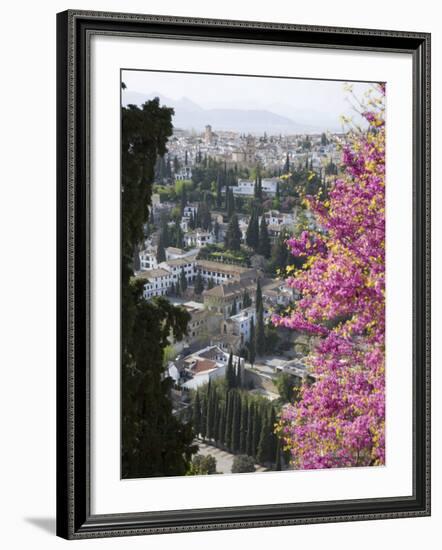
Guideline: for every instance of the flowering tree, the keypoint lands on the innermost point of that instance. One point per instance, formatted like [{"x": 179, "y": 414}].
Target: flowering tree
[{"x": 339, "y": 418}]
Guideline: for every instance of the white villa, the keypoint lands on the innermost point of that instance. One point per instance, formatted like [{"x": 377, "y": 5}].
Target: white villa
[{"x": 246, "y": 188}]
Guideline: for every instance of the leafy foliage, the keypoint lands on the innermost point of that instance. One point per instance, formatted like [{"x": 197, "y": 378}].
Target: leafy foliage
[
  {"x": 154, "y": 442},
  {"x": 339, "y": 419}
]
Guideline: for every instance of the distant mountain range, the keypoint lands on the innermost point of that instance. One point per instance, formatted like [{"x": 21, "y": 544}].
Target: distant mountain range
[{"x": 189, "y": 115}]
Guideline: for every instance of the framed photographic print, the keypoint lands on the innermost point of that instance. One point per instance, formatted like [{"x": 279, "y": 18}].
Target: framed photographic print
[{"x": 243, "y": 274}]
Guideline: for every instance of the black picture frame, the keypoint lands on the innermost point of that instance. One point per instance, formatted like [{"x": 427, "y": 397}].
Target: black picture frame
[{"x": 74, "y": 519}]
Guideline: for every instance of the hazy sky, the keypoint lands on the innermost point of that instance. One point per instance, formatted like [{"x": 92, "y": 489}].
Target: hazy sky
[{"x": 320, "y": 102}]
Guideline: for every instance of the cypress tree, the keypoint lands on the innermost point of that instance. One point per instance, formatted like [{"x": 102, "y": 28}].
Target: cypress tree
[
  {"x": 192, "y": 221},
  {"x": 216, "y": 415},
  {"x": 168, "y": 168},
  {"x": 183, "y": 201},
  {"x": 236, "y": 422},
  {"x": 204, "y": 214},
  {"x": 287, "y": 164},
  {"x": 222, "y": 423},
  {"x": 258, "y": 186},
  {"x": 264, "y": 240},
  {"x": 199, "y": 284},
  {"x": 161, "y": 251},
  {"x": 239, "y": 374},
  {"x": 249, "y": 433},
  {"x": 228, "y": 422},
  {"x": 216, "y": 230},
  {"x": 243, "y": 426},
  {"x": 246, "y": 300},
  {"x": 204, "y": 416},
  {"x": 210, "y": 283},
  {"x": 251, "y": 346},
  {"x": 210, "y": 411},
  {"x": 260, "y": 330},
  {"x": 230, "y": 373},
  {"x": 183, "y": 280},
  {"x": 230, "y": 203},
  {"x": 257, "y": 426},
  {"x": 233, "y": 310},
  {"x": 274, "y": 440},
  {"x": 196, "y": 414},
  {"x": 252, "y": 234},
  {"x": 262, "y": 451},
  {"x": 179, "y": 237},
  {"x": 233, "y": 235},
  {"x": 258, "y": 295},
  {"x": 218, "y": 191}
]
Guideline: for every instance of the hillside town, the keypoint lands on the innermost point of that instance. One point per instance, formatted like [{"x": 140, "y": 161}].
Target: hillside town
[{"x": 223, "y": 205}]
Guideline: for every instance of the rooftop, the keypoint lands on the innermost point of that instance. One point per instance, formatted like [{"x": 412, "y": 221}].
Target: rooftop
[
  {"x": 227, "y": 289},
  {"x": 193, "y": 306},
  {"x": 173, "y": 250},
  {"x": 152, "y": 274},
  {"x": 177, "y": 262},
  {"x": 218, "y": 266},
  {"x": 203, "y": 365}
]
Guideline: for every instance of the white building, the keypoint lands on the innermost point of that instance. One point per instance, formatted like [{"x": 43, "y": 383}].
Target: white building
[
  {"x": 274, "y": 217},
  {"x": 207, "y": 364},
  {"x": 190, "y": 210},
  {"x": 246, "y": 188},
  {"x": 243, "y": 321},
  {"x": 219, "y": 272},
  {"x": 198, "y": 238},
  {"x": 172, "y": 253},
  {"x": 158, "y": 282},
  {"x": 184, "y": 174},
  {"x": 148, "y": 259},
  {"x": 175, "y": 267}
]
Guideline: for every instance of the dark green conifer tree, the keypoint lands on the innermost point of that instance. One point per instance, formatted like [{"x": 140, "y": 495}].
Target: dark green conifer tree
[
  {"x": 210, "y": 411},
  {"x": 249, "y": 433},
  {"x": 264, "y": 239},
  {"x": 243, "y": 426},
  {"x": 183, "y": 199},
  {"x": 260, "y": 331},
  {"x": 222, "y": 423},
  {"x": 252, "y": 233},
  {"x": 246, "y": 300},
  {"x": 257, "y": 426},
  {"x": 228, "y": 422},
  {"x": 183, "y": 280},
  {"x": 236, "y": 422},
  {"x": 161, "y": 251},
  {"x": 154, "y": 441},
  {"x": 196, "y": 414},
  {"x": 199, "y": 284},
  {"x": 218, "y": 191},
  {"x": 230, "y": 373},
  {"x": 204, "y": 416},
  {"x": 251, "y": 346},
  {"x": 233, "y": 235}
]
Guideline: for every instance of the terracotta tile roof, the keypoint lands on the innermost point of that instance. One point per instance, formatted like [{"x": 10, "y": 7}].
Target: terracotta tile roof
[{"x": 203, "y": 365}]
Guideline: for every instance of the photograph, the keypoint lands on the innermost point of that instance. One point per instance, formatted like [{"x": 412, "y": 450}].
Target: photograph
[{"x": 252, "y": 273}]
